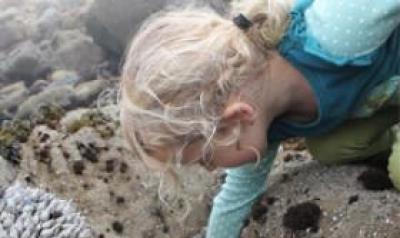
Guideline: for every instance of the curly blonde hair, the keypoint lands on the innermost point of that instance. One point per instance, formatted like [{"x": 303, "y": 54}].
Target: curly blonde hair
[{"x": 181, "y": 68}]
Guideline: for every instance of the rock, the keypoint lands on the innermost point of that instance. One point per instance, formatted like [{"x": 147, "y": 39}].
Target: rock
[
  {"x": 61, "y": 96},
  {"x": 13, "y": 95},
  {"x": 49, "y": 22},
  {"x": 42, "y": 5},
  {"x": 6, "y": 4},
  {"x": 60, "y": 78},
  {"x": 8, "y": 173},
  {"x": 71, "y": 117},
  {"x": 11, "y": 33},
  {"x": 68, "y": 4},
  {"x": 38, "y": 86},
  {"x": 25, "y": 63},
  {"x": 9, "y": 14},
  {"x": 112, "y": 25},
  {"x": 86, "y": 92},
  {"x": 76, "y": 51}
]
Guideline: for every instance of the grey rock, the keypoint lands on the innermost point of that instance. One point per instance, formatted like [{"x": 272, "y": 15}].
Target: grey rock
[
  {"x": 86, "y": 92},
  {"x": 11, "y": 33},
  {"x": 112, "y": 25},
  {"x": 12, "y": 95},
  {"x": 61, "y": 96},
  {"x": 76, "y": 51},
  {"x": 68, "y": 4},
  {"x": 72, "y": 116},
  {"x": 60, "y": 78},
  {"x": 6, "y": 4},
  {"x": 49, "y": 22},
  {"x": 42, "y": 5},
  {"x": 38, "y": 86},
  {"x": 9, "y": 14},
  {"x": 25, "y": 63},
  {"x": 8, "y": 173}
]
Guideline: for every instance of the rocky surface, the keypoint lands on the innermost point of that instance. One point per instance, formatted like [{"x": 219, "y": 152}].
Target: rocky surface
[
  {"x": 84, "y": 159},
  {"x": 348, "y": 209},
  {"x": 80, "y": 155},
  {"x": 59, "y": 63},
  {"x": 39, "y": 36},
  {"x": 112, "y": 26}
]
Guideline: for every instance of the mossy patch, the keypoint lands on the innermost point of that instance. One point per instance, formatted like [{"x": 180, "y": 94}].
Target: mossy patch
[
  {"x": 15, "y": 132},
  {"x": 95, "y": 119},
  {"x": 49, "y": 115},
  {"x": 12, "y": 134}
]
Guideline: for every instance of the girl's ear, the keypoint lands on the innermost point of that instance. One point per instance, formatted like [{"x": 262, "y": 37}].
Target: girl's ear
[{"x": 239, "y": 111}]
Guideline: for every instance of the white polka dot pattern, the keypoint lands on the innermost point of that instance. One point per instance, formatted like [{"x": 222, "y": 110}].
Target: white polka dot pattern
[{"x": 352, "y": 28}]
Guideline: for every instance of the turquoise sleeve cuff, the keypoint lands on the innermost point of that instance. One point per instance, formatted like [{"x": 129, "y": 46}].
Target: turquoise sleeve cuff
[{"x": 240, "y": 191}]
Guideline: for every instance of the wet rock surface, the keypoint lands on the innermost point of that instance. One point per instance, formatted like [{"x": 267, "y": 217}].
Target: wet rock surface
[
  {"x": 337, "y": 203},
  {"x": 117, "y": 194}
]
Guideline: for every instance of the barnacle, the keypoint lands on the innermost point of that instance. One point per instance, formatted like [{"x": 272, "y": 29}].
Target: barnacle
[{"x": 28, "y": 212}]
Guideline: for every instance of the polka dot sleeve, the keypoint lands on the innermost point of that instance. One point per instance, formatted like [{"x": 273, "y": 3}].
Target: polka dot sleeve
[
  {"x": 233, "y": 203},
  {"x": 343, "y": 30}
]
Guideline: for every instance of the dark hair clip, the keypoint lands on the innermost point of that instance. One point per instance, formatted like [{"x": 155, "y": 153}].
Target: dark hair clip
[{"x": 242, "y": 22}]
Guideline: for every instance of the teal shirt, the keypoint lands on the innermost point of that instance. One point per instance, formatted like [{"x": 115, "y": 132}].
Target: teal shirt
[
  {"x": 340, "y": 83},
  {"x": 351, "y": 71}
]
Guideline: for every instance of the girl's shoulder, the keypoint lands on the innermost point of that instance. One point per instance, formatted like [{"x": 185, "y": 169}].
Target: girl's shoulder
[{"x": 342, "y": 31}]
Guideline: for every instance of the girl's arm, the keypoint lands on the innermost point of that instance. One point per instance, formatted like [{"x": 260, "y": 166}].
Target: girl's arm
[
  {"x": 350, "y": 28},
  {"x": 240, "y": 191}
]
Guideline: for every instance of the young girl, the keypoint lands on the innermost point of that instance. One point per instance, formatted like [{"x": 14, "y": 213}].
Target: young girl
[{"x": 201, "y": 88}]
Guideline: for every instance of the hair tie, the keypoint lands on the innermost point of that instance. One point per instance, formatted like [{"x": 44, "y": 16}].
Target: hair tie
[{"x": 242, "y": 22}]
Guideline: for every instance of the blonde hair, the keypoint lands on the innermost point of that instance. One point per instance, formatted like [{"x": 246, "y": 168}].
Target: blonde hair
[{"x": 180, "y": 70}]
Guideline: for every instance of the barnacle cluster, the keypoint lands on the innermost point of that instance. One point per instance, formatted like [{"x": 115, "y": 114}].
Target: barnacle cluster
[{"x": 28, "y": 212}]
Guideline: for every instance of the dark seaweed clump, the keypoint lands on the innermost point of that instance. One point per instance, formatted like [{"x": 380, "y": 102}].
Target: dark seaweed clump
[
  {"x": 302, "y": 217},
  {"x": 118, "y": 227},
  {"x": 375, "y": 180}
]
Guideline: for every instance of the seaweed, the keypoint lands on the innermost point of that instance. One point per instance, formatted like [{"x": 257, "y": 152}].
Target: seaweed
[
  {"x": 302, "y": 217},
  {"x": 375, "y": 180}
]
